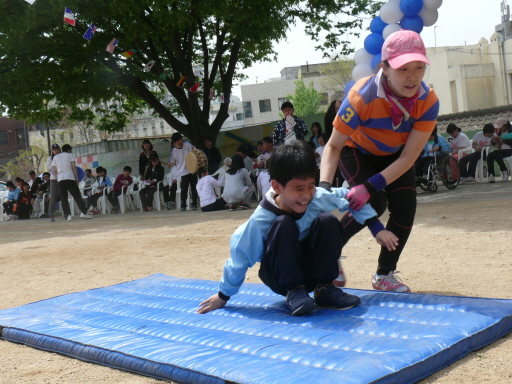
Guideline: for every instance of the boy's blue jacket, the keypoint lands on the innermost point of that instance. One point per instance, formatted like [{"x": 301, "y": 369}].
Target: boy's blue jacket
[
  {"x": 441, "y": 141},
  {"x": 13, "y": 195},
  {"x": 106, "y": 181},
  {"x": 247, "y": 243}
]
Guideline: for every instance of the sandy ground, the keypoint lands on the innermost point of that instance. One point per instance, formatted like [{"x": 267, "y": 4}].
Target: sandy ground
[{"x": 460, "y": 246}]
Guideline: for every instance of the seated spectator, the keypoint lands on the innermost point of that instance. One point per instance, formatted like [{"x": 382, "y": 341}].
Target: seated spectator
[
  {"x": 435, "y": 146},
  {"x": 38, "y": 196},
  {"x": 457, "y": 140},
  {"x": 250, "y": 152},
  {"x": 23, "y": 206},
  {"x": 212, "y": 154},
  {"x": 205, "y": 190},
  {"x": 222, "y": 170},
  {"x": 12, "y": 197},
  {"x": 31, "y": 178},
  {"x": 259, "y": 147},
  {"x": 322, "y": 140},
  {"x": 238, "y": 187},
  {"x": 102, "y": 182},
  {"x": 481, "y": 140},
  {"x": 504, "y": 144},
  {"x": 316, "y": 129},
  {"x": 88, "y": 181},
  {"x": 19, "y": 183},
  {"x": 154, "y": 174},
  {"x": 267, "y": 147},
  {"x": 242, "y": 151},
  {"x": 123, "y": 180},
  {"x": 34, "y": 182}
]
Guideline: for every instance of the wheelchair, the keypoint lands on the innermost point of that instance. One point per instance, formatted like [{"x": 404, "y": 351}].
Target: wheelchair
[{"x": 443, "y": 170}]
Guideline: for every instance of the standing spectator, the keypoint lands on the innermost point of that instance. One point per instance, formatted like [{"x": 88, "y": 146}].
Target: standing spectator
[
  {"x": 289, "y": 129},
  {"x": 213, "y": 155},
  {"x": 179, "y": 151},
  {"x": 64, "y": 166},
  {"x": 504, "y": 145},
  {"x": 316, "y": 129},
  {"x": 123, "y": 180},
  {"x": 331, "y": 113},
  {"x": 144, "y": 157},
  {"x": 318, "y": 154},
  {"x": 54, "y": 183},
  {"x": 457, "y": 139},
  {"x": 238, "y": 187},
  {"x": 12, "y": 197},
  {"x": 206, "y": 192},
  {"x": 480, "y": 141},
  {"x": 154, "y": 174}
]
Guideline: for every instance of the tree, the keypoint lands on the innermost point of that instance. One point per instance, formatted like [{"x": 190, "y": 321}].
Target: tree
[
  {"x": 336, "y": 75},
  {"x": 27, "y": 160},
  {"x": 306, "y": 100},
  {"x": 45, "y": 59}
]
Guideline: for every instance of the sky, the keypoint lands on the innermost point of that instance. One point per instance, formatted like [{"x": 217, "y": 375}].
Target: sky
[{"x": 460, "y": 22}]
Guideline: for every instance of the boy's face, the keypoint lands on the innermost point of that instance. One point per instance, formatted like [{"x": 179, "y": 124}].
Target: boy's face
[
  {"x": 126, "y": 173},
  {"x": 321, "y": 141},
  {"x": 88, "y": 173},
  {"x": 268, "y": 147},
  {"x": 101, "y": 173},
  {"x": 296, "y": 195}
]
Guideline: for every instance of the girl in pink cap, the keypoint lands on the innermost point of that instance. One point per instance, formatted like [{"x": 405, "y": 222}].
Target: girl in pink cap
[{"x": 379, "y": 132}]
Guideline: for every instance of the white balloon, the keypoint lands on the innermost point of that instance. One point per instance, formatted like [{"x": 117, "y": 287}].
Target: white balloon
[
  {"x": 428, "y": 16},
  {"x": 363, "y": 57},
  {"x": 432, "y": 4},
  {"x": 394, "y": 1},
  {"x": 362, "y": 70},
  {"x": 390, "y": 13},
  {"x": 389, "y": 29}
]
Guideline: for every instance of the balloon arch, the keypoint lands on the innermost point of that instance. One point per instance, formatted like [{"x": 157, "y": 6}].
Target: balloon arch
[{"x": 393, "y": 16}]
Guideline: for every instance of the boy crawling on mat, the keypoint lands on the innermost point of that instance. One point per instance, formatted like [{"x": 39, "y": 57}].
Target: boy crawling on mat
[{"x": 295, "y": 237}]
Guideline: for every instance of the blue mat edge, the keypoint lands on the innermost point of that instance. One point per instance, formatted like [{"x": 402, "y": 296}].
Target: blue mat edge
[{"x": 144, "y": 366}]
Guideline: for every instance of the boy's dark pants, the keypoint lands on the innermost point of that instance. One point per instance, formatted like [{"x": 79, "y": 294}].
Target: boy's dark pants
[
  {"x": 71, "y": 186},
  {"x": 288, "y": 263},
  {"x": 113, "y": 197}
]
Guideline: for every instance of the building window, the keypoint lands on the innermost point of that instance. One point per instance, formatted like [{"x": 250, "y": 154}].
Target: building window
[
  {"x": 247, "y": 109},
  {"x": 161, "y": 124},
  {"x": 325, "y": 99},
  {"x": 4, "y": 138},
  {"x": 239, "y": 116},
  {"x": 281, "y": 100},
  {"x": 22, "y": 135},
  {"x": 265, "y": 105}
]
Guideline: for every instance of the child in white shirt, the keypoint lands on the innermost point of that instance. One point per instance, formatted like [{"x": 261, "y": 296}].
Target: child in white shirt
[{"x": 205, "y": 189}]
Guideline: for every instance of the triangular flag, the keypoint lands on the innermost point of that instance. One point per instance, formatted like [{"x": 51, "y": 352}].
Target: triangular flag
[
  {"x": 182, "y": 80},
  {"x": 129, "y": 53},
  {"x": 112, "y": 45},
  {"x": 68, "y": 16},
  {"x": 90, "y": 32},
  {"x": 195, "y": 87},
  {"x": 149, "y": 65}
]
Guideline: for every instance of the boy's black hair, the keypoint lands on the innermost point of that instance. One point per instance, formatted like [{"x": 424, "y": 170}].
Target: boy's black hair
[
  {"x": 32, "y": 173},
  {"x": 286, "y": 104},
  {"x": 88, "y": 169},
  {"x": 176, "y": 136},
  {"x": 452, "y": 128},
  {"x": 9, "y": 184},
  {"x": 324, "y": 136},
  {"x": 488, "y": 128},
  {"x": 66, "y": 148},
  {"x": 242, "y": 149},
  {"x": 268, "y": 139},
  {"x": 127, "y": 168},
  {"x": 202, "y": 170},
  {"x": 146, "y": 141},
  {"x": 292, "y": 161},
  {"x": 101, "y": 169}
]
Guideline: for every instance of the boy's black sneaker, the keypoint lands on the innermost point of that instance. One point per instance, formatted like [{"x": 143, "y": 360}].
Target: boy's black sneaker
[
  {"x": 328, "y": 295},
  {"x": 299, "y": 301}
]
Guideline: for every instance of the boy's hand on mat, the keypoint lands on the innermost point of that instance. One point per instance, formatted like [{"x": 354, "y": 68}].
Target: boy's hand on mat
[
  {"x": 213, "y": 303},
  {"x": 387, "y": 239}
]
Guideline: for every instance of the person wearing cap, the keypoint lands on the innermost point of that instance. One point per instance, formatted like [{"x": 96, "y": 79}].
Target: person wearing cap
[
  {"x": 457, "y": 139},
  {"x": 503, "y": 143},
  {"x": 54, "y": 183},
  {"x": 331, "y": 113},
  {"x": 289, "y": 129},
  {"x": 64, "y": 166},
  {"x": 154, "y": 174},
  {"x": 379, "y": 131}
]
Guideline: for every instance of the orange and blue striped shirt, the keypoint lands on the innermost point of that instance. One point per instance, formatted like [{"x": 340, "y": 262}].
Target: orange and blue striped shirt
[{"x": 365, "y": 116}]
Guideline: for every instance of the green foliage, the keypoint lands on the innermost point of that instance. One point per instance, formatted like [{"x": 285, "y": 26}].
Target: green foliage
[
  {"x": 305, "y": 100},
  {"x": 27, "y": 160},
  {"x": 336, "y": 75},
  {"x": 44, "y": 60}
]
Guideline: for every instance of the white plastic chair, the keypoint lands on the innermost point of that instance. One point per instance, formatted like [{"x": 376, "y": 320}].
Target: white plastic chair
[
  {"x": 2, "y": 208},
  {"x": 125, "y": 199},
  {"x": 103, "y": 203},
  {"x": 480, "y": 173}
]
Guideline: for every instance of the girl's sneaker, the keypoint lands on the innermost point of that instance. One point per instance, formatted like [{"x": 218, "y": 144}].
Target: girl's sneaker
[
  {"x": 244, "y": 205},
  {"x": 232, "y": 207},
  {"x": 389, "y": 283},
  {"x": 504, "y": 176},
  {"x": 491, "y": 178}
]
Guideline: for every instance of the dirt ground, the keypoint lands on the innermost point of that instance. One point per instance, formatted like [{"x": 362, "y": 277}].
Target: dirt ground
[{"x": 460, "y": 246}]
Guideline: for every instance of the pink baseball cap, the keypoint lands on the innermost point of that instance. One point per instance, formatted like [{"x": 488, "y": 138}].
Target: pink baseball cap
[{"x": 402, "y": 47}]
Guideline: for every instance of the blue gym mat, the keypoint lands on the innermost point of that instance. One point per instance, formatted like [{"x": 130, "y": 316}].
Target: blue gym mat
[{"x": 149, "y": 326}]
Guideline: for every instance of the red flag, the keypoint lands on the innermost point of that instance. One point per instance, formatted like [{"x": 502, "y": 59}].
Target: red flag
[{"x": 194, "y": 87}]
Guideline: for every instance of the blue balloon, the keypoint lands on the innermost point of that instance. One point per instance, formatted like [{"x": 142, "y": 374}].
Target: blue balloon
[
  {"x": 412, "y": 23},
  {"x": 377, "y": 25},
  {"x": 376, "y": 61},
  {"x": 349, "y": 86},
  {"x": 81, "y": 173},
  {"x": 373, "y": 43},
  {"x": 411, "y": 7}
]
